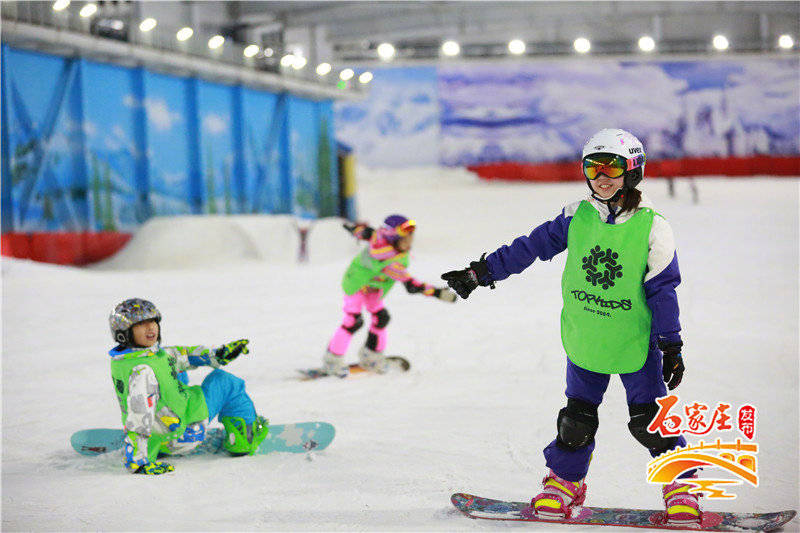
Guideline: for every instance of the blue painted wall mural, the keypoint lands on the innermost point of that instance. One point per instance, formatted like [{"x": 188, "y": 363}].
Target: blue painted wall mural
[
  {"x": 469, "y": 114},
  {"x": 113, "y": 153},
  {"x": 93, "y": 147},
  {"x": 263, "y": 116},
  {"x": 47, "y": 176}
]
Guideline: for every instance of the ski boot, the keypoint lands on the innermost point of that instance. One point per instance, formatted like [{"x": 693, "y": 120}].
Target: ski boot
[
  {"x": 334, "y": 365},
  {"x": 241, "y": 439},
  {"x": 559, "y": 498},
  {"x": 682, "y": 507},
  {"x": 373, "y": 361}
]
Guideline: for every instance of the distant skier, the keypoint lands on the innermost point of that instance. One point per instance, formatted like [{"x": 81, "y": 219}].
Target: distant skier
[
  {"x": 368, "y": 279},
  {"x": 620, "y": 315},
  {"x": 161, "y": 414}
]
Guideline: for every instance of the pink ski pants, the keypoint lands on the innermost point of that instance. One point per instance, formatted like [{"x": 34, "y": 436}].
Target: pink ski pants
[{"x": 353, "y": 303}]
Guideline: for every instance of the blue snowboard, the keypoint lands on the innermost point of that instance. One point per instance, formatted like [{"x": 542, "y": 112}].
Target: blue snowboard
[{"x": 289, "y": 438}]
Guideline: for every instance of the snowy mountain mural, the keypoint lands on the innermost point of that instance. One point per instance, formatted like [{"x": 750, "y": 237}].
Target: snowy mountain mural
[
  {"x": 399, "y": 124},
  {"x": 543, "y": 112}
]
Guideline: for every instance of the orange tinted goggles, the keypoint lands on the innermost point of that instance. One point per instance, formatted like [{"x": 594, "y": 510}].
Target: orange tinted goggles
[{"x": 610, "y": 165}]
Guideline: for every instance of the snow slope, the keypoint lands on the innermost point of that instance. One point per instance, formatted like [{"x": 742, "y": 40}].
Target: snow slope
[{"x": 473, "y": 414}]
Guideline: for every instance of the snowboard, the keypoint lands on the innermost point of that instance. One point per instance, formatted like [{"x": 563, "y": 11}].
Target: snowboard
[
  {"x": 486, "y": 508},
  {"x": 396, "y": 364},
  {"x": 289, "y": 438}
]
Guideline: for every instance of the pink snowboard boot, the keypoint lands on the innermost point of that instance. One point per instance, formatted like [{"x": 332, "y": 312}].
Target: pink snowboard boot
[
  {"x": 682, "y": 506},
  {"x": 559, "y": 498}
]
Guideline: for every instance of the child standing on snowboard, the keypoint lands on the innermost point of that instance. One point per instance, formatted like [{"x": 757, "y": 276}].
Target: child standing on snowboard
[
  {"x": 161, "y": 414},
  {"x": 367, "y": 281},
  {"x": 620, "y": 316}
]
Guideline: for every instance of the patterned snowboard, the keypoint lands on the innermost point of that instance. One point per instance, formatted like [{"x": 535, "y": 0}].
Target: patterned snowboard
[
  {"x": 290, "y": 438},
  {"x": 396, "y": 364},
  {"x": 477, "y": 507}
]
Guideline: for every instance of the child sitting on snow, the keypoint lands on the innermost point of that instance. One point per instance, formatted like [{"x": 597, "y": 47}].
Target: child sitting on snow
[{"x": 160, "y": 413}]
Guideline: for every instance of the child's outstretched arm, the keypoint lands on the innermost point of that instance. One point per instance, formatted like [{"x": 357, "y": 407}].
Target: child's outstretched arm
[
  {"x": 544, "y": 243},
  {"x": 191, "y": 357},
  {"x": 399, "y": 272},
  {"x": 360, "y": 231}
]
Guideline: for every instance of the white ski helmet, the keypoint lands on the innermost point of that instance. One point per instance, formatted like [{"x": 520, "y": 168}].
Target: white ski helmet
[
  {"x": 624, "y": 144},
  {"x": 129, "y": 313}
]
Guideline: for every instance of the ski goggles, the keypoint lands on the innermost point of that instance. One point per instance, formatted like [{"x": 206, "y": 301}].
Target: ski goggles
[
  {"x": 611, "y": 165},
  {"x": 406, "y": 228}
]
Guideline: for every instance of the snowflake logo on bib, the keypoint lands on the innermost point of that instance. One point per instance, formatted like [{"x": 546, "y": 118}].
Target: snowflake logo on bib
[{"x": 601, "y": 267}]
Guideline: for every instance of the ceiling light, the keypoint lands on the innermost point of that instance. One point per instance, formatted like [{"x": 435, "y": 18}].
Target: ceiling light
[
  {"x": 720, "y": 42},
  {"x": 451, "y": 48},
  {"x": 646, "y": 43},
  {"x": 299, "y": 62},
  {"x": 147, "y": 24},
  {"x": 60, "y": 5},
  {"x": 516, "y": 47},
  {"x": 386, "y": 51},
  {"x": 250, "y": 50},
  {"x": 323, "y": 69},
  {"x": 216, "y": 41},
  {"x": 365, "y": 77},
  {"x": 287, "y": 60},
  {"x": 346, "y": 74},
  {"x": 785, "y": 41},
  {"x": 88, "y": 10},
  {"x": 184, "y": 33},
  {"x": 582, "y": 45}
]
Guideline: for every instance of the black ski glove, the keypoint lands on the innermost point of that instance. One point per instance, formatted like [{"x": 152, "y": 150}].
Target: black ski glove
[
  {"x": 154, "y": 468},
  {"x": 228, "y": 352},
  {"x": 467, "y": 280},
  {"x": 366, "y": 234},
  {"x": 412, "y": 287},
  {"x": 673, "y": 363}
]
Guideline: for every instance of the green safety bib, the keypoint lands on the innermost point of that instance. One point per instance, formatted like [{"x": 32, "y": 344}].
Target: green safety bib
[
  {"x": 365, "y": 271},
  {"x": 187, "y": 402},
  {"x": 605, "y": 322}
]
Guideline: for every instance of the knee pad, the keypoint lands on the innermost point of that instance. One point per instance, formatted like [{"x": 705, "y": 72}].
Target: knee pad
[
  {"x": 577, "y": 424},
  {"x": 372, "y": 341},
  {"x": 380, "y": 319},
  {"x": 641, "y": 416},
  {"x": 357, "y": 323}
]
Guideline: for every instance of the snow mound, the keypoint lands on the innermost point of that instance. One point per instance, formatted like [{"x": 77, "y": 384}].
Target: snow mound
[
  {"x": 195, "y": 241},
  {"x": 192, "y": 241},
  {"x": 328, "y": 240}
]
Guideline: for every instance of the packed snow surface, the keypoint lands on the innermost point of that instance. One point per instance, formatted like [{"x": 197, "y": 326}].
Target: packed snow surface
[{"x": 472, "y": 415}]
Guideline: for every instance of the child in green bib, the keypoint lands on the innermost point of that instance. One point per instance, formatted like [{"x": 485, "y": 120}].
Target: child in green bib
[
  {"x": 161, "y": 413},
  {"x": 367, "y": 281},
  {"x": 619, "y": 316}
]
